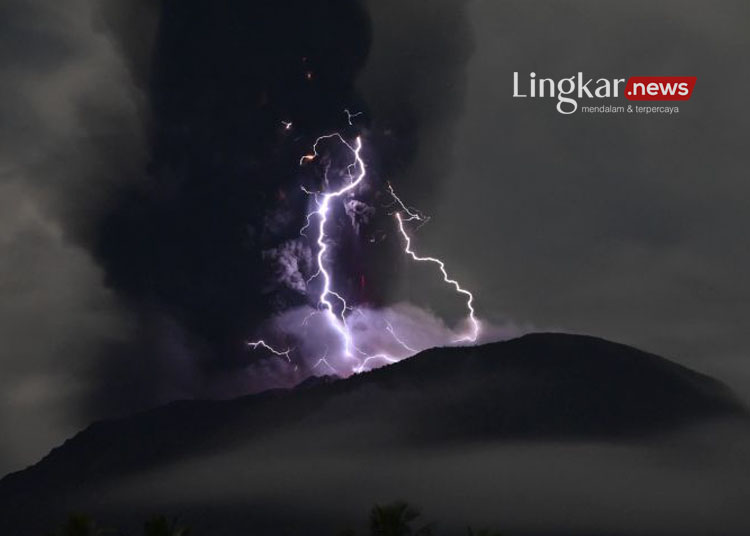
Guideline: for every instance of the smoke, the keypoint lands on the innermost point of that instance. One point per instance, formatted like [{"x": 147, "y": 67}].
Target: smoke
[
  {"x": 359, "y": 213},
  {"x": 342, "y": 316},
  {"x": 147, "y": 139},
  {"x": 290, "y": 261},
  {"x": 208, "y": 242},
  {"x": 388, "y": 334},
  {"x": 415, "y": 87},
  {"x": 71, "y": 136}
]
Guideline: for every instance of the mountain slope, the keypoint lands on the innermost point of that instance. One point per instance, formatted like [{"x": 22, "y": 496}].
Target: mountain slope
[{"x": 539, "y": 387}]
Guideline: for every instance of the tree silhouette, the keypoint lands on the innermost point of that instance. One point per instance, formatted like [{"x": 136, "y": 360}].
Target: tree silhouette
[
  {"x": 82, "y": 525},
  {"x": 161, "y": 526},
  {"x": 396, "y": 519},
  {"x": 483, "y": 532}
]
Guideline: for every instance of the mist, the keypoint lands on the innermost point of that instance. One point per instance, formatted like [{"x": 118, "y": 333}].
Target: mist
[{"x": 680, "y": 483}]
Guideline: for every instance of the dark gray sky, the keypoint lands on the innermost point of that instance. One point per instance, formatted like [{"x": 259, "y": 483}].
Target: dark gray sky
[
  {"x": 627, "y": 227},
  {"x": 632, "y": 228}
]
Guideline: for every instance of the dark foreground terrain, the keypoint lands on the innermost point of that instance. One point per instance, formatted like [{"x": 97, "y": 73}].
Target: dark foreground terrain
[{"x": 545, "y": 434}]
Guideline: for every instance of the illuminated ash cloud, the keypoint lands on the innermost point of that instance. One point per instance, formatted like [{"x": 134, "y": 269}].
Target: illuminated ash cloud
[
  {"x": 290, "y": 261},
  {"x": 359, "y": 213},
  {"x": 335, "y": 333},
  {"x": 384, "y": 335}
]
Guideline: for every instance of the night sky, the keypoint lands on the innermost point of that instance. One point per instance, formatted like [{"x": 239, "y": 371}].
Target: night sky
[{"x": 144, "y": 171}]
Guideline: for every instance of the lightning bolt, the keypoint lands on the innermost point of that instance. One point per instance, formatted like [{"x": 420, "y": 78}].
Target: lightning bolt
[
  {"x": 350, "y": 116},
  {"x": 367, "y": 358},
  {"x": 323, "y": 202},
  {"x": 261, "y": 343},
  {"x": 324, "y": 361},
  {"x": 330, "y": 302},
  {"x": 308, "y": 317},
  {"x": 389, "y": 329},
  {"x": 413, "y": 215}
]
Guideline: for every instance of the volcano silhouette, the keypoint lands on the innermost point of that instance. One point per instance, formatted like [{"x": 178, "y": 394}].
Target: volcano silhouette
[{"x": 537, "y": 388}]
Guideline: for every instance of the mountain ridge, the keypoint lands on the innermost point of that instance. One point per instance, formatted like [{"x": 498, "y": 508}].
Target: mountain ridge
[
  {"x": 434, "y": 355},
  {"x": 539, "y": 387}
]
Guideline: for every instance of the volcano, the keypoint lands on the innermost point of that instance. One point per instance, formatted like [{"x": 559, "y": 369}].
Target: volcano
[{"x": 257, "y": 464}]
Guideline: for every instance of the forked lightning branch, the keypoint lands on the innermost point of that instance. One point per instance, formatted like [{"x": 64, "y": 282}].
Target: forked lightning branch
[{"x": 331, "y": 302}]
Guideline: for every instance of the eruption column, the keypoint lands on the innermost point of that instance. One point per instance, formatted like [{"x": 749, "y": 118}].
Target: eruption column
[{"x": 357, "y": 173}]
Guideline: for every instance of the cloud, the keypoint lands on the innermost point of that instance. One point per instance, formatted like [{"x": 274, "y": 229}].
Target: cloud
[
  {"x": 292, "y": 263},
  {"x": 379, "y": 336},
  {"x": 71, "y": 134},
  {"x": 55, "y": 313}
]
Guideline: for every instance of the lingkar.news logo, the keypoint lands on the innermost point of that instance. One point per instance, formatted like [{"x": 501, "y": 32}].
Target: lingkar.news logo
[{"x": 569, "y": 91}]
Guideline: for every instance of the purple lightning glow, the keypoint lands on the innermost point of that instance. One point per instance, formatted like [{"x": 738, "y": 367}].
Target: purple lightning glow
[
  {"x": 338, "y": 322},
  {"x": 330, "y": 302}
]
